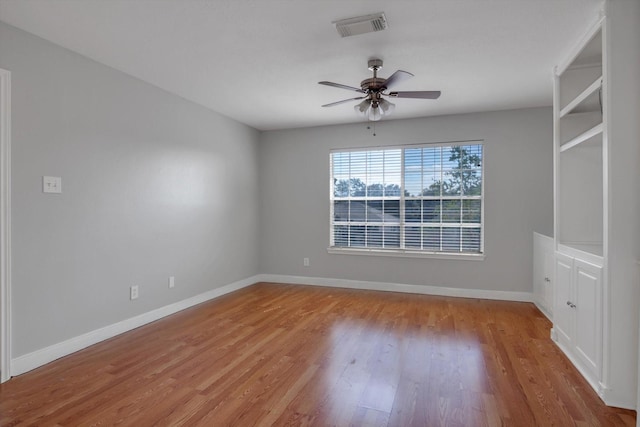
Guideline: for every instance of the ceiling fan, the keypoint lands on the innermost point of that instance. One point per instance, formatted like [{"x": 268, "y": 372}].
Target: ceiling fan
[{"x": 374, "y": 106}]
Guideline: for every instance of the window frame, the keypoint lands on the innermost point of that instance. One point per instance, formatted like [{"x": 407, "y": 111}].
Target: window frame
[{"x": 403, "y": 223}]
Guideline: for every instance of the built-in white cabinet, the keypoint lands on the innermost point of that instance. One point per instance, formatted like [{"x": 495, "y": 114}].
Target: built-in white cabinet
[
  {"x": 597, "y": 203},
  {"x": 543, "y": 273},
  {"x": 580, "y": 175},
  {"x": 577, "y": 314}
]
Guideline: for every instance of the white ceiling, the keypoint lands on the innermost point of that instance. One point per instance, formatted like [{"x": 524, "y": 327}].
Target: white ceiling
[{"x": 259, "y": 61}]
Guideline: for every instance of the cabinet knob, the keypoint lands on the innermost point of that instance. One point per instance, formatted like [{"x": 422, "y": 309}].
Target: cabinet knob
[
  {"x": 546, "y": 279},
  {"x": 570, "y": 304}
]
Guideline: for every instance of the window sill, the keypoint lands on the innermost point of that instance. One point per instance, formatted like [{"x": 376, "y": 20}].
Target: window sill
[{"x": 405, "y": 254}]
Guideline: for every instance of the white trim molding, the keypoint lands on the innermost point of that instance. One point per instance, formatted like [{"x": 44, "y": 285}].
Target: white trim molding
[
  {"x": 406, "y": 254},
  {"x": 399, "y": 287},
  {"x": 45, "y": 355},
  {"x": 542, "y": 309},
  {"x": 5, "y": 225}
]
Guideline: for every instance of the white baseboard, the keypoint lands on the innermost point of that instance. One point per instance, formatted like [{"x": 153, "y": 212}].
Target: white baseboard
[
  {"x": 543, "y": 310},
  {"x": 35, "y": 359},
  {"x": 399, "y": 287},
  {"x": 604, "y": 392},
  {"x": 609, "y": 398}
]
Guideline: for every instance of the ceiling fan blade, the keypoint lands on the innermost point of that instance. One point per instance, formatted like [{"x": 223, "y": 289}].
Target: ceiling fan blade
[
  {"x": 343, "y": 101},
  {"x": 338, "y": 85},
  {"x": 397, "y": 77},
  {"x": 421, "y": 94}
]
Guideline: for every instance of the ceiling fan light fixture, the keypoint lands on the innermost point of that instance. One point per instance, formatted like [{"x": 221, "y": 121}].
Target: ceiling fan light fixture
[
  {"x": 361, "y": 108},
  {"x": 386, "y": 107},
  {"x": 374, "y": 113}
]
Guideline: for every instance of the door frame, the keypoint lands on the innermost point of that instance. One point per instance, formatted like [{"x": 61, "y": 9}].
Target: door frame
[{"x": 5, "y": 225}]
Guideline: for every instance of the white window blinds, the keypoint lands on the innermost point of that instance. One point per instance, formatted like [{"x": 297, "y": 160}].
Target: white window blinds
[{"x": 417, "y": 198}]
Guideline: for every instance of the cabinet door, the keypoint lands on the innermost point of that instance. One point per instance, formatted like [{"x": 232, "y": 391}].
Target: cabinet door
[
  {"x": 538, "y": 270},
  {"x": 563, "y": 313},
  {"x": 543, "y": 266},
  {"x": 588, "y": 301},
  {"x": 548, "y": 279}
]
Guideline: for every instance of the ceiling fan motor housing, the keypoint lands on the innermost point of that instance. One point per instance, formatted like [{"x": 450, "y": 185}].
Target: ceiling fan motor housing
[
  {"x": 373, "y": 84},
  {"x": 375, "y": 64}
]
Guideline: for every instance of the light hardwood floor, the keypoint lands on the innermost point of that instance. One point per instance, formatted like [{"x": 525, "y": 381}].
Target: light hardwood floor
[{"x": 289, "y": 355}]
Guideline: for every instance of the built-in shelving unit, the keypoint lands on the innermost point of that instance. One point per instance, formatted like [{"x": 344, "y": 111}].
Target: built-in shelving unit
[
  {"x": 580, "y": 144},
  {"x": 596, "y": 206},
  {"x": 580, "y": 131}
]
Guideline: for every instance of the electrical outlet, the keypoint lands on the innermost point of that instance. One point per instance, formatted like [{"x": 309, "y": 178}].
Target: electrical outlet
[
  {"x": 134, "y": 292},
  {"x": 306, "y": 262},
  {"x": 172, "y": 281}
]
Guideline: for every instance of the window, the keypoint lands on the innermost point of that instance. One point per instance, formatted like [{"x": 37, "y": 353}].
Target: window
[{"x": 421, "y": 199}]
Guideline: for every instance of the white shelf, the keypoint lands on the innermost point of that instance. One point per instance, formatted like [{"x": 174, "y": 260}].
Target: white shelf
[
  {"x": 596, "y": 63},
  {"x": 588, "y": 252},
  {"x": 583, "y": 137},
  {"x": 593, "y": 88}
]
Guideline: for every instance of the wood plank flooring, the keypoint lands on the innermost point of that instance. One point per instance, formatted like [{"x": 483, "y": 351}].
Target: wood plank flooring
[{"x": 287, "y": 355}]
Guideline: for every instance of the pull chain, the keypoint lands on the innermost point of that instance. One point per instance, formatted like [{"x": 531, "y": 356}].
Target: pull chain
[{"x": 374, "y": 128}]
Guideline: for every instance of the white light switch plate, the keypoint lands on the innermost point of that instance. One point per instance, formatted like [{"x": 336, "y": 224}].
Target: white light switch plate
[{"x": 51, "y": 184}]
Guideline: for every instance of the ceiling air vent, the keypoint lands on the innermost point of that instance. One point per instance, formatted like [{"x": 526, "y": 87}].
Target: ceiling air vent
[{"x": 361, "y": 24}]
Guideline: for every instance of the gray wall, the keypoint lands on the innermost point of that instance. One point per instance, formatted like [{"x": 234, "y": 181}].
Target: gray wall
[
  {"x": 147, "y": 178},
  {"x": 153, "y": 186},
  {"x": 518, "y": 165}
]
